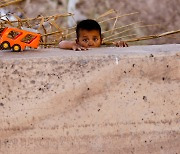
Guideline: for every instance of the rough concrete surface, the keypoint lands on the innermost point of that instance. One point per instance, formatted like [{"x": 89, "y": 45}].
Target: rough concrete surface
[{"x": 105, "y": 100}]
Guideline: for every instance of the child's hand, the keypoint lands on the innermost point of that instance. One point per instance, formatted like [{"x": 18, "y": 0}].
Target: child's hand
[
  {"x": 121, "y": 44},
  {"x": 77, "y": 47},
  {"x": 71, "y": 45}
]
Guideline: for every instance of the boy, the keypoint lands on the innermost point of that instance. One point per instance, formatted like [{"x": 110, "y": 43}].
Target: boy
[{"x": 88, "y": 33}]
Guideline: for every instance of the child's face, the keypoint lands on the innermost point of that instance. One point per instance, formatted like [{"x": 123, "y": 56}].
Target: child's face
[{"x": 89, "y": 39}]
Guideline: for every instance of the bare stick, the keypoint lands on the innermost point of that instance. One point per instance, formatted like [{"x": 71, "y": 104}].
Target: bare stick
[
  {"x": 148, "y": 37},
  {"x": 121, "y": 37},
  {"x": 127, "y": 30},
  {"x": 114, "y": 24},
  {"x": 121, "y": 27},
  {"x": 106, "y": 14},
  {"x": 153, "y": 36},
  {"x": 10, "y": 3},
  {"x": 45, "y": 18},
  {"x": 119, "y": 17}
]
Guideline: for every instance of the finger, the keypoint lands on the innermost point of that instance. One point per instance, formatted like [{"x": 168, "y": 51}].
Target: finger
[
  {"x": 74, "y": 48},
  {"x": 83, "y": 48},
  {"x": 121, "y": 44},
  {"x": 125, "y": 44},
  {"x": 117, "y": 44}
]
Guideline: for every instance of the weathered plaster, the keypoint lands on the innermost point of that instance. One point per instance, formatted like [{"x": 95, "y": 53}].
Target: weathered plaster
[{"x": 106, "y": 100}]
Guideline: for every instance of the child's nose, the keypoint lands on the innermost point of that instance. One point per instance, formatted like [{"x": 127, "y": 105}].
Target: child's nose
[{"x": 91, "y": 43}]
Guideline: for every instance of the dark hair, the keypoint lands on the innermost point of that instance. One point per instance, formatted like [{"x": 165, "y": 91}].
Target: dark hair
[{"x": 89, "y": 25}]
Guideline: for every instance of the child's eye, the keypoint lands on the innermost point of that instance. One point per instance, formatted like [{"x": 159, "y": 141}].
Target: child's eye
[
  {"x": 85, "y": 40},
  {"x": 95, "y": 39}
]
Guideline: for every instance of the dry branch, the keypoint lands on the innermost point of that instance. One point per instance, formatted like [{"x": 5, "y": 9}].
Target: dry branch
[
  {"x": 147, "y": 37},
  {"x": 106, "y": 14},
  {"x": 45, "y": 18},
  {"x": 153, "y": 36},
  {"x": 127, "y": 30},
  {"x": 41, "y": 23},
  {"x": 10, "y": 3},
  {"x": 125, "y": 26},
  {"x": 124, "y": 15}
]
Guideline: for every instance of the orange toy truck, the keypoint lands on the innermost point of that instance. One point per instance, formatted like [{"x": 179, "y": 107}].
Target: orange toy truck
[{"x": 18, "y": 39}]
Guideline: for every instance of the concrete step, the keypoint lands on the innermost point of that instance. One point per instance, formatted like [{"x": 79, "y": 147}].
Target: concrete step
[{"x": 105, "y": 100}]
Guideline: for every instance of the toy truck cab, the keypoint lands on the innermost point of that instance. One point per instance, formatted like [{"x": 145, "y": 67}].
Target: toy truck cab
[{"x": 18, "y": 39}]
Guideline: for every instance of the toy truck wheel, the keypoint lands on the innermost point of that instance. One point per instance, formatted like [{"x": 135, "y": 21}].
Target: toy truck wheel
[
  {"x": 5, "y": 45},
  {"x": 16, "y": 48}
]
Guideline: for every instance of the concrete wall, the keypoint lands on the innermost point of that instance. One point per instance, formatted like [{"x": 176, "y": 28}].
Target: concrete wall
[{"x": 106, "y": 100}]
